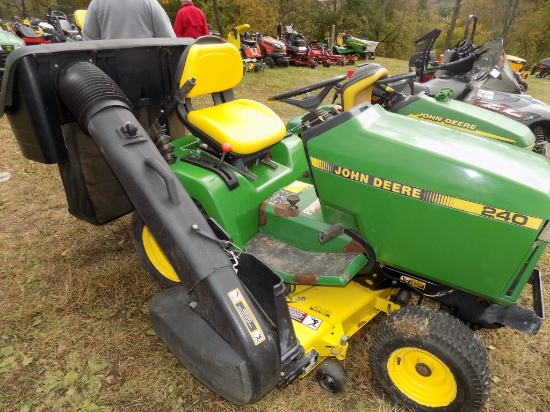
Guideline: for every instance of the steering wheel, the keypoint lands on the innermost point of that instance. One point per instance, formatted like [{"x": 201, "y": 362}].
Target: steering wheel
[{"x": 309, "y": 102}]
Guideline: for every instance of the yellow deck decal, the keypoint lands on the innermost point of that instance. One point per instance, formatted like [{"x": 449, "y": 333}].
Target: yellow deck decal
[
  {"x": 429, "y": 196},
  {"x": 248, "y": 318}
]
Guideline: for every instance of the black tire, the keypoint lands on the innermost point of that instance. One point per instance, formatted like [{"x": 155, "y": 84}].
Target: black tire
[
  {"x": 257, "y": 67},
  {"x": 312, "y": 64},
  {"x": 524, "y": 84},
  {"x": 326, "y": 63},
  {"x": 428, "y": 360},
  {"x": 269, "y": 62},
  {"x": 332, "y": 376},
  {"x": 151, "y": 255}
]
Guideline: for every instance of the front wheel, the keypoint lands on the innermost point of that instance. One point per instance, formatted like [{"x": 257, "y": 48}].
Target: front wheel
[
  {"x": 331, "y": 376},
  {"x": 428, "y": 360},
  {"x": 524, "y": 85},
  {"x": 152, "y": 256}
]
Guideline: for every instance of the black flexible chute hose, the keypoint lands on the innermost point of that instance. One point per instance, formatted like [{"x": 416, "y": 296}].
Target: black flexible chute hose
[{"x": 86, "y": 90}]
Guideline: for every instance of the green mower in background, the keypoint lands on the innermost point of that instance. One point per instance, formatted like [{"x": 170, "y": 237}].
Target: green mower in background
[
  {"x": 349, "y": 45},
  {"x": 8, "y": 43},
  {"x": 274, "y": 247}
]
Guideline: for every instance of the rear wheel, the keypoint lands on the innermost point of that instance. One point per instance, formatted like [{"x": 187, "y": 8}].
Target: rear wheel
[
  {"x": 428, "y": 360},
  {"x": 269, "y": 62},
  {"x": 152, "y": 256}
]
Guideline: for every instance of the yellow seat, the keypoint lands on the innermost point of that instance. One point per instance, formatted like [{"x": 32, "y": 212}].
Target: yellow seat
[
  {"x": 358, "y": 89},
  {"x": 79, "y": 17},
  {"x": 248, "y": 126}
]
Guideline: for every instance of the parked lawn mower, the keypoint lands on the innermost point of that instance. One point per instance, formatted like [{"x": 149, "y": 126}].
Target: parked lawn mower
[
  {"x": 27, "y": 33},
  {"x": 275, "y": 249},
  {"x": 311, "y": 54},
  {"x": 354, "y": 47},
  {"x": 249, "y": 48},
  {"x": 481, "y": 76},
  {"x": 543, "y": 68},
  {"x": 8, "y": 43},
  {"x": 60, "y": 22},
  {"x": 423, "y": 61},
  {"x": 372, "y": 81},
  {"x": 296, "y": 45},
  {"x": 274, "y": 51},
  {"x": 323, "y": 55},
  {"x": 518, "y": 66}
]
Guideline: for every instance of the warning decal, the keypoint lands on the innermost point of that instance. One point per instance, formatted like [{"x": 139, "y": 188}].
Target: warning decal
[
  {"x": 304, "y": 318},
  {"x": 247, "y": 316}
]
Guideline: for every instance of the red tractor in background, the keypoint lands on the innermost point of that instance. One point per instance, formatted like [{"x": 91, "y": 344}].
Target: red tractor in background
[
  {"x": 321, "y": 53},
  {"x": 312, "y": 54}
]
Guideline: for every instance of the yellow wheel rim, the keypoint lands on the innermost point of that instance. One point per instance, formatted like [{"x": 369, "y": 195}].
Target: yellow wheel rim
[
  {"x": 157, "y": 257},
  {"x": 422, "y": 377}
]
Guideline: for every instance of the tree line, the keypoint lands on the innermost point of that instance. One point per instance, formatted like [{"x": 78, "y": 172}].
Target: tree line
[{"x": 394, "y": 23}]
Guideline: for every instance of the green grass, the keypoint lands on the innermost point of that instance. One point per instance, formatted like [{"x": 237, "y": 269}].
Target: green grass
[{"x": 74, "y": 330}]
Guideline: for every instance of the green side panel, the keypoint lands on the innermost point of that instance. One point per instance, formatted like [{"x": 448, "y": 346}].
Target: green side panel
[
  {"x": 300, "y": 228},
  {"x": 471, "y": 119},
  {"x": 445, "y": 205},
  {"x": 237, "y": 210}
]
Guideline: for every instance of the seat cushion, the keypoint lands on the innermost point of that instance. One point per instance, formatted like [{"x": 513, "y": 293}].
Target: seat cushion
[{"x": 248, "y": 126}]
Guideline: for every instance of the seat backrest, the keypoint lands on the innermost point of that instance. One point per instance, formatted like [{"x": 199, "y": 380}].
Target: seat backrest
[
  {"x": 79, "y": 17},
  {"x": 358, "y": 89},
  {"x": 214, "y": 63}
]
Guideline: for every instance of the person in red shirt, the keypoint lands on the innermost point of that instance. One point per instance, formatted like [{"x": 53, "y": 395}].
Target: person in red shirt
[{"x": 190, "y": 21}]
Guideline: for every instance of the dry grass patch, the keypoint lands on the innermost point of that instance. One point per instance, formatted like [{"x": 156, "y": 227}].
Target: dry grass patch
[{"x": 74, "y": 329}]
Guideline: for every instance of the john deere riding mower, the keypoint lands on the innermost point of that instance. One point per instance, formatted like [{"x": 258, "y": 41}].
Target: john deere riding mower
[
  {"x": 275, "y": 249},
  {"x": 351, "y": 46}
]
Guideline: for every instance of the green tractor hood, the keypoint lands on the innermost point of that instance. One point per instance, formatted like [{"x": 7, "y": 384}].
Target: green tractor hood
[{"x": 434, "y": 206}]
